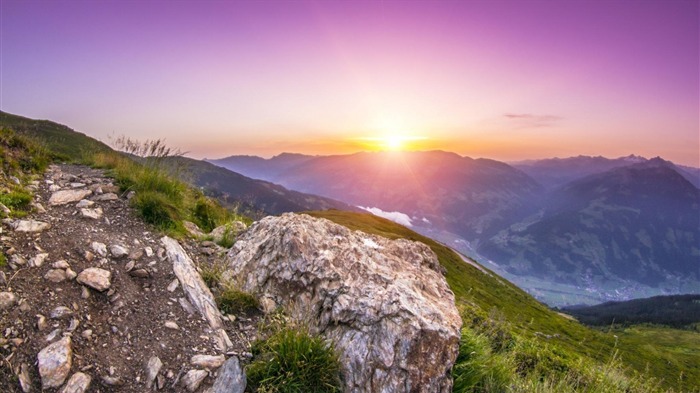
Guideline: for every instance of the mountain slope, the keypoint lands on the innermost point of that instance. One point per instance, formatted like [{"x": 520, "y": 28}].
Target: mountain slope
[
  {"x": 639, "y": 223},
  {"x": 254, "y": 196}
]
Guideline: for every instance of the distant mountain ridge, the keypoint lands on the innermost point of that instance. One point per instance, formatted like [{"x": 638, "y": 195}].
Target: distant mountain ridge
[{"x": 619, "y": 227}]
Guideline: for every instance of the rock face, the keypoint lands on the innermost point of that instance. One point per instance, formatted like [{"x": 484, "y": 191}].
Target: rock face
[{"x": 384, "y": 303}]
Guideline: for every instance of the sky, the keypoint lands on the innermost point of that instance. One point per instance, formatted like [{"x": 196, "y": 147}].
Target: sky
[{"x": 507, "y": 80}]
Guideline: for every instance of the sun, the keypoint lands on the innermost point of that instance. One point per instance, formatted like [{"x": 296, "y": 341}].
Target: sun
[{"x": 393, "y": 142}]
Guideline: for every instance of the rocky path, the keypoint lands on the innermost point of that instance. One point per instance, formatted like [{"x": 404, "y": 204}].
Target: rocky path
[{"x": 90, "y": 300}]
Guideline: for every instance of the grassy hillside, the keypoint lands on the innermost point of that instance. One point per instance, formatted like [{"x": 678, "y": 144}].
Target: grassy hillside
[
  {"x": 65, "y": 143},
  {"x": 488, "y": 300}
]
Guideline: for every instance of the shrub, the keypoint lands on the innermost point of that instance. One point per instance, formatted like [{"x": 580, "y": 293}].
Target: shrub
[
  {"x": 294, "y": 361},
  {"x": 18, "y": 201},
  {"x": 232, "y": 300}
]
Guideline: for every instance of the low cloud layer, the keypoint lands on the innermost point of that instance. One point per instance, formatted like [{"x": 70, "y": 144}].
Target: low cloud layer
[
  {"x": 397, "y": 217},
  {"x": 529, "y": 120}
]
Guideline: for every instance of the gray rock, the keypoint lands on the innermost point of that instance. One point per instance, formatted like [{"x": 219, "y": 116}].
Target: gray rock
[
  {"x": 62, "y": 264},
  {"x": 196, "y": 290},
  {"x": 5, "y": 209},
  {"x": 118, "y": 251},
  {"x": 70, "y": 274},
  {"x": 41, "y": 322},
  {"x": 78, "y": 383},
  {"x": 384, "y": 303},
  {"x": 25, "y": 381},
  {"x": 94, "y": 214},
  {"x": 38, "y": 259},
  {"x": 193, "y": 229},
  {"x": 55, "y": 361},
  {"x": 17, "y": 260},
  {"x": 231, "y": 378},
  {"x": 95, "y": 278},
  {"x": 232, "y": 229},
  {"x": 152, "y": 369},
  {"x": 77, "y": 185},
  {"x": 7, "y": 300},
  {"x": 56, "y": 275},
  {"x": 84, "y": 203},
  {"x": 110, "y": 196},
  {"x": 30, "y": 226},
  {"x": 61, "y": 312},
  {"x": 207, "y": 361},
  {"x": 67, "y": 196},
  {"x": 99, "y": 248},
  {"x": 193, "y": 379},
  {"x": 39, "y": 207},
  {"x": 171, "y": 325}
]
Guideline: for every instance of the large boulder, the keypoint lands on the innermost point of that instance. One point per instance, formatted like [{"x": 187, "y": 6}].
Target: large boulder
[{"x": 384, "y": 303}]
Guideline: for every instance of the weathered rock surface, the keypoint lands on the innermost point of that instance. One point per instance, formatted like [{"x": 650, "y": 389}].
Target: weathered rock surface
[
  {"x": 233, "y": 228},
  {"x": 384, "y": 303},
  {"x": 55, "y": 361},
  {"x": 231, "y": 378},
  {"x": 95, "y": 278},
  {"x": 208, "y": 361},
  {"x": 67, "y": 196},
  {"x": 193, "y": 379},
  {"x": 152, "y": 369}
]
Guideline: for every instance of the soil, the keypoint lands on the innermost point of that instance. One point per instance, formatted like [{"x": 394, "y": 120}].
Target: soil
[{"x": 127, "y": 321}]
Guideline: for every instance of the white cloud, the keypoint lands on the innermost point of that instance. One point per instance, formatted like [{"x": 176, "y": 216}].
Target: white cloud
[{"x": 397, "y": 217}]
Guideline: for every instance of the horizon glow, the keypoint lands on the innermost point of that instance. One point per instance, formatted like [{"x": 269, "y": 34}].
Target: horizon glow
[{"x": 508, "y": 80}]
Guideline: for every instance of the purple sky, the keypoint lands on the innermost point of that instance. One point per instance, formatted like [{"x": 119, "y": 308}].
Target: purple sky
[{"x": 499, "y": 79}]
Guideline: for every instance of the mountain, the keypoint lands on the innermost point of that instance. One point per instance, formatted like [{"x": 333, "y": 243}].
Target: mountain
[
  {"x": 676, "y": 310},
  {"x": 555, "y": 172},
  {"x": 639, "y": 222},
  {"x": 471, "y": 197},
  {"x": 255, "y": 197},
  {"x": 260, "y": 168}
]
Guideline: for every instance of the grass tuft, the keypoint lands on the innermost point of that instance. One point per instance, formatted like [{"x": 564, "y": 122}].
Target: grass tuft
[
  {"x": 232, "y": 300},
  {"x": 293, "y": 361}
]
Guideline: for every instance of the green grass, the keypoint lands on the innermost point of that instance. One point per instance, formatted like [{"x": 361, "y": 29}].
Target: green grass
[
  {"x": 232, "y": 300},
  {"x": 581, "y": 350},
  {"x": 292, "y": 360}
]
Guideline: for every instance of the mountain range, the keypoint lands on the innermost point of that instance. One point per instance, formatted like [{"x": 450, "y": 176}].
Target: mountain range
[{"x": 599, "y": 228}]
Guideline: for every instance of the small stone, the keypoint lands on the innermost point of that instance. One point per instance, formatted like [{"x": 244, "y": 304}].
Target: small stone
[
  {"x": 84, "y": 203},
  {"x": 67, "y": 196},
  {"x": 60, "y": 265},
  {"x": 152, "y": 369},
  {"x": 149, "y": 251},
  {"x": 77, "y": 185},
  {"x": 94, "y": 214},
  {"x": 110, "y": 196},
  {"x": 55, "y": 275},
  {"x": 140, "y": 273},
  {"x": 30, "y": 226},
  {"x": 111, "y": 381},
  {"x": 54, "y": 187},
  {"x": 41, "y": 322},
  {"x": 18, "y": 260},
  {"x": 129, "y": 266},
  {"x": 136, "y": 255},
  {"x": 130, "y": 195},
  {"x": 39, "y": 208},
  {"x": 208, "y": 361},
  {"x": 38, "y": 259},
  {"x": 74, "y": 323},
  {"x": 99, "y": 249},
  {"x": 193, "y": 229},
  {"x": 52, "y": 336},
  {"x": 118, "y": 251},
  {"x": 7, "y": 300},
  {"x": 85, "y": 293},
  {"x": 78, "y": 383},
  {"x": 4, "y": 209},
  {"x": 70, "y": 274},
  {"x": 61, "y": 312},
  {"x": 24, "y": 381},
  {"x": 95, "y": 278},
  {"x": 171, "y": 325},
  {"x": 55, "y": 361},
  {"x": 193, "y": 379},
  {"x": 24, "y": 306},
  {"x": 86, "y": 334},
  {"x": 173, "y": 285},
  {"x": 89, "y": 256}
]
